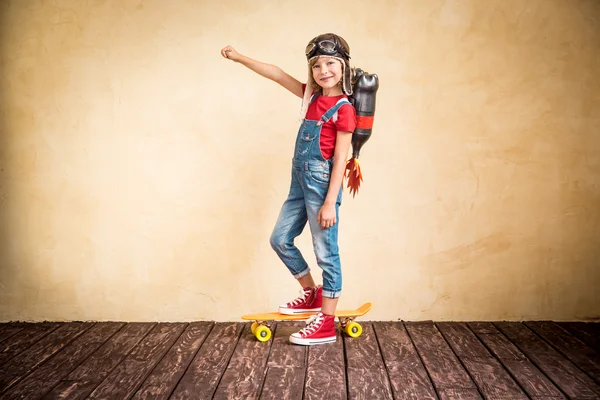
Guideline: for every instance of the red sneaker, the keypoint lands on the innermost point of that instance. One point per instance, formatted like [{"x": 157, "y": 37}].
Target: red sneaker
[
  {"x": 309, "y": 301},
  {"x": 319, "y": 329}
]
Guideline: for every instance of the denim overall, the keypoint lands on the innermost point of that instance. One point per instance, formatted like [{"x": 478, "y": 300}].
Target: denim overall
[{"x": 308, "y": 189}]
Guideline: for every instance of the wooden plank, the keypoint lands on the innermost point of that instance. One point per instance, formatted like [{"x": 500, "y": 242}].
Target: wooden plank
[
  {"x": 286, "y": 354},
  {"x": 460, "y": 394},
  {"x": 202, "y": 376},
  {"x": 10, "y": 329},
  {"x": 49, "y": 374},
  {"x": 97, "y": 367},
  {"x": 71, "y": 390},
  {"x": 171, "y": 368},
  {"x": 285, "y": 365},
  {"x": 367, "y": 376},
  {"x": 586, "y": 358},
  {"x": 245, "y": 373},
  {"x": 406, "y": 371},
  {"x": 531, "y": 379},
  {"x": 84, "y": 379},
  {"x": 31, "y": 334},
  {"x": 493, "y": 381},
  {"x": 288, "y": 380},
  {"x": 124, "y": 380},
  {"x": 326, "y": 371},
  {"x": 482, "y": 327},
  {"x": 20, "y": 365},
  {"x": 500, "y": 347},
  {"x": 563, "y": 373},
  {"x": 488, "y": 374},
  {"x": 462, "y": 340},
  {"x": 445, "y": 370},
  {"x": 587, "y": 332}
]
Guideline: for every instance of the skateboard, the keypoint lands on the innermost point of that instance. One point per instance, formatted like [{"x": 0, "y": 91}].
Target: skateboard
[{"x": 261, "y": 327}]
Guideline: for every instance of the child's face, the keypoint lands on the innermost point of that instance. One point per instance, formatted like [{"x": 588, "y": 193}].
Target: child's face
[{"x": 327, "y": 72}]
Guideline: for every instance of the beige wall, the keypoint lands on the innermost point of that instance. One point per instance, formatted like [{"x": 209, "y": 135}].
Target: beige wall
[{"x": 141, "y": 173}]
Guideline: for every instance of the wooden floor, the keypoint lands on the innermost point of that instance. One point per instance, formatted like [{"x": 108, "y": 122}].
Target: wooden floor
[{"x": 391, "y": 360}]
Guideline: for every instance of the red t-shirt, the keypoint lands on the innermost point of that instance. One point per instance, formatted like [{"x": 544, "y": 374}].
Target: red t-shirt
[{"x": 346, "y": 120}]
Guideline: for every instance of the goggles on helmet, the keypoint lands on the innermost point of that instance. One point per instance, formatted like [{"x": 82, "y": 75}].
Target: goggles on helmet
[{"x": 325, "y": 48}]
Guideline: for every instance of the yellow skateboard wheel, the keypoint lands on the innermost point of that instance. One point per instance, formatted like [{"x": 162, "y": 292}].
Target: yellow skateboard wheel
[
  {"x": 353, "y": 329},
  {"x": 263, "y": 333},
  {"x": 253, "y": 327}
]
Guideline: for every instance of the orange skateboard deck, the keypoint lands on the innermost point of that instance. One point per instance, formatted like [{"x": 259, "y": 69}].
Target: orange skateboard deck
[{"x": 261, "y": 328}]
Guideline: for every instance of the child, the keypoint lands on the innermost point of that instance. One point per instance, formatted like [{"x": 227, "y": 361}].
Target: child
[{"x": 322, "y": 145}]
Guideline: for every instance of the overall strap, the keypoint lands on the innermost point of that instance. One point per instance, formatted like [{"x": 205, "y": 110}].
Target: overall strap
[{"x": 333, "y": 110}]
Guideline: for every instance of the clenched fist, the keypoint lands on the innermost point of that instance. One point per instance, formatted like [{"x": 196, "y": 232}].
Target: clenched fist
[{"x": 230, "y": 53}]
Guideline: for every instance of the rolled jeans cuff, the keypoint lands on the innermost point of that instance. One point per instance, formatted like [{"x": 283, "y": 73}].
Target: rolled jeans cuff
[
  {"x": 303, "y": 273},
  {"x": 332, "y": 294}
]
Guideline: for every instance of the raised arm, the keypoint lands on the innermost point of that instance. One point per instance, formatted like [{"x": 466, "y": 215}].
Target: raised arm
[{"x": 269, "y": 71}]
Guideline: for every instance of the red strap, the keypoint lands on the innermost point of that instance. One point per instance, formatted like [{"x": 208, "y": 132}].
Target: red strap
[{"x": 364, "y": 122}]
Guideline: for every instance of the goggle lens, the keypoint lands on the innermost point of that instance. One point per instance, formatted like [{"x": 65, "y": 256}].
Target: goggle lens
[
  {"x": 328, "y": 47},
  {"x": 310, "y": 48}
]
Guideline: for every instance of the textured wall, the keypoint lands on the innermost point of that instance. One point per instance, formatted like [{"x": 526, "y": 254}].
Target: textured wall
[{"x": 141, "y": 173}]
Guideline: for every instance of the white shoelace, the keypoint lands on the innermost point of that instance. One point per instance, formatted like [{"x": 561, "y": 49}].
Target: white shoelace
[
  {"x": 303, "y": 295},
  {"x": 312, "y": 324}
]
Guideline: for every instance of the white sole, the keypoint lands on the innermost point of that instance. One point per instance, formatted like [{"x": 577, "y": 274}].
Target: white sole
[{"x": 310, "y": 342}]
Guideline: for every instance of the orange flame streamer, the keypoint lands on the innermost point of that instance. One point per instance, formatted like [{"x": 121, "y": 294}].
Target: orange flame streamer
[{"x": 354, "y": 175}]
